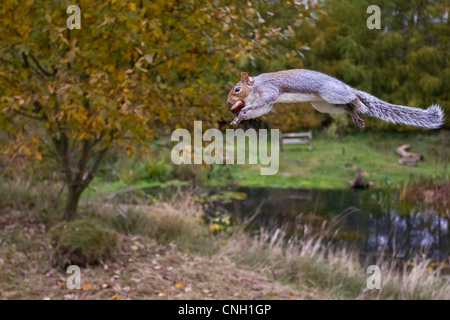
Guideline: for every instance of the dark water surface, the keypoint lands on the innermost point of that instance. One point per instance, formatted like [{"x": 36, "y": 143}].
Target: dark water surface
[{"x": 373, "y": 221}]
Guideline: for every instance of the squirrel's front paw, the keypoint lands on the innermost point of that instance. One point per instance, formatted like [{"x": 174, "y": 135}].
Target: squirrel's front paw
[
  {"x": 235, "y": 121},
  {"x": 238, "y": 119}
]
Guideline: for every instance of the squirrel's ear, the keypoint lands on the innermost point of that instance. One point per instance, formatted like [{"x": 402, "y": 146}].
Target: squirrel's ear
[{"x": 246, "y": 79}]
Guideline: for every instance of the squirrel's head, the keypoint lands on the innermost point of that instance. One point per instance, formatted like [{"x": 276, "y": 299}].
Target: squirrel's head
[{"x": 240, "y": 91}]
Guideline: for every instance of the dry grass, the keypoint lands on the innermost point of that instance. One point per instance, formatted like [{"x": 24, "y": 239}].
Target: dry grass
[
  {"x": 179, "y": 219},
  {"x": 312, "y": 263},
  {"x": 143, "y": 270}
]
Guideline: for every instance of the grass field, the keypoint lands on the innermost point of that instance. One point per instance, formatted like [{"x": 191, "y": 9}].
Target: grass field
[{"x": 331, "y": 164}]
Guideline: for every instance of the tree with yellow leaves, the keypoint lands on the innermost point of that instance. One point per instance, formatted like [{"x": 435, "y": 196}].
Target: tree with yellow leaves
[{"x": 134, "y": 69}]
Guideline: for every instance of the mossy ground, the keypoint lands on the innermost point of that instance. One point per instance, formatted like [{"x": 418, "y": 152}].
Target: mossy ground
[{"x": 82, "y": 243}]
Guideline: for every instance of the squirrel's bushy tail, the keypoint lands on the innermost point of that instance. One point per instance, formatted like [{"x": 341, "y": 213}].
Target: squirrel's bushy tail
[{"x": 431, "y": 118}]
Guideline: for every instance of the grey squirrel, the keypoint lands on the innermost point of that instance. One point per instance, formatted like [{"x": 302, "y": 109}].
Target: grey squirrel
[{"x": 254, "y": 96}]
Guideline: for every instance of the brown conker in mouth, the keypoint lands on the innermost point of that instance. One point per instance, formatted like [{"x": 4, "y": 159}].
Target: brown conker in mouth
[{"x": 237, "y": 106}]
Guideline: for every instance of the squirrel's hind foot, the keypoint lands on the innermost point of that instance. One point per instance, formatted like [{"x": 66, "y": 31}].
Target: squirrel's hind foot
[
  {"x": 350, "y": 109},
  {"x": 357, "y": 120}
]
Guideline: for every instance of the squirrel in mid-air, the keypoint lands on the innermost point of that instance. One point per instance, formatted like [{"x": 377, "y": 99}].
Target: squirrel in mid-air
[{"x": 254, "y": 96}]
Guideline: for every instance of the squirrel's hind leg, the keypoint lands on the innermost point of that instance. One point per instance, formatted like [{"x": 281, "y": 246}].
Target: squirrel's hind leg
[
  {"x": 352, "y": 111},
  {"x": 359, "y": 106}
]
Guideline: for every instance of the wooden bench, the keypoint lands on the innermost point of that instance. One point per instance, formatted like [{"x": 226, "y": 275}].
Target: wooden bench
[{"x": 297, "y": 138}]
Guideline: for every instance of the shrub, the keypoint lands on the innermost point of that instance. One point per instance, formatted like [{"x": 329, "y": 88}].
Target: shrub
[{"x": 81, "y": 243}]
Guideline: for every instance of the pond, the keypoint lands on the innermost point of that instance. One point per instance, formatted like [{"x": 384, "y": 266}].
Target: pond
[{"x": 375, "y": 222}]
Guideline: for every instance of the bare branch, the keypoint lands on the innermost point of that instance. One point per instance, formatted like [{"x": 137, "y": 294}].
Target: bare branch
[
  {"x": 88, "y": 178},
  {"x": 97, "y": 140},
  {"x": 28, "y": 115},
  {"x": 48, "y": 74}
]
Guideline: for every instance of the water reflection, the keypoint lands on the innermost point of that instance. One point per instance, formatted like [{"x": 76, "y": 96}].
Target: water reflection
[{"x": 374, "y": 221}]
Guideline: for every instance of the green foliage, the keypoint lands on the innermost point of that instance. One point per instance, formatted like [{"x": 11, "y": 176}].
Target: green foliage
[
  {"x": 82, "y": 243},
  {"x": 220, "y": 221},
  {"x": 340, "y": 122},
  {"x": 221, "y": 173},
  {"x": 188, "y": 172},
  {"x": 155, "y": 169},
  {"x": 158, "y": 170},
  {"x": 296, "y": 116},
  {"x": 222, "y": 197}
]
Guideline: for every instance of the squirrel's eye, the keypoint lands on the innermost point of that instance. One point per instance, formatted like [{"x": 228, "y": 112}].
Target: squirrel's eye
[{"x": 237, "y": 89}]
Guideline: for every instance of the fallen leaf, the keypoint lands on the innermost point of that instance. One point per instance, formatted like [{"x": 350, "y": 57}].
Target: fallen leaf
[
  {"x": 115, "y": 297},
  {"x": 180, "y": 284},
  {"x": 86, "y": 286}
]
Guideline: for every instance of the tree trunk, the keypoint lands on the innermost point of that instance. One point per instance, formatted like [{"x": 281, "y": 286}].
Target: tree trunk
[{"x": 73, "y": 197}]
